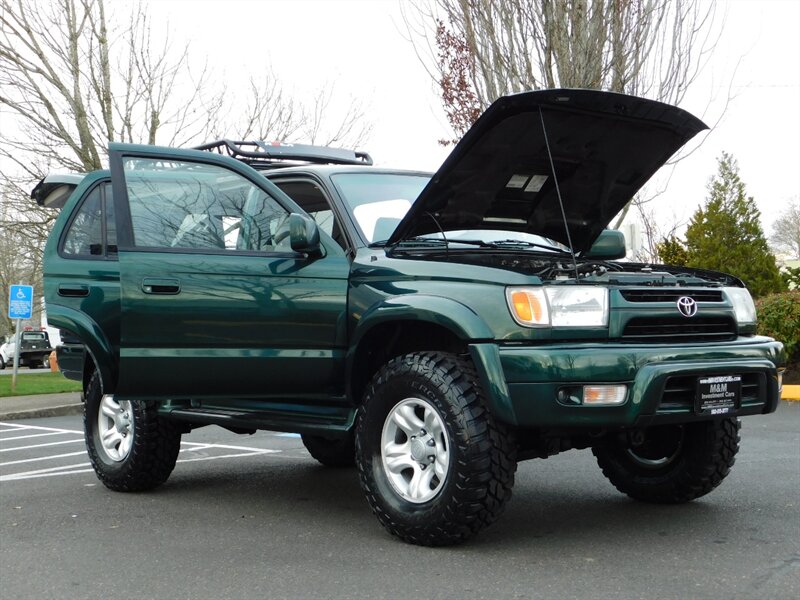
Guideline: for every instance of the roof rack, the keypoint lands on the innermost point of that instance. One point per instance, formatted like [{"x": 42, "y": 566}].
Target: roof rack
[{"x": 274, "y": 155}]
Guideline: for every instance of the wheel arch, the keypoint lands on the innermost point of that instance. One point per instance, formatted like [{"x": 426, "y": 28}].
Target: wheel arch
[
  {"x": 407, "y": 324},
  {"x": 99, "y": 351}
]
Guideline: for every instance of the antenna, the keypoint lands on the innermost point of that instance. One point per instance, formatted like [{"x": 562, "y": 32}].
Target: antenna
[{"x": 558, "y": 193}]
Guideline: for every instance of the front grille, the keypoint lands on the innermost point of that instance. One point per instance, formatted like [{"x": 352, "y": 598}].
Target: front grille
[
  {"x": 679, "y": 329},
  {"x": 671, "y": 295},
  {"x": 680, "y": 391}
]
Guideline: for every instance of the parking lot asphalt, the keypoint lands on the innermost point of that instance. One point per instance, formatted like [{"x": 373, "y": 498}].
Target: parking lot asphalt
[{"x": 256, "y": 517}]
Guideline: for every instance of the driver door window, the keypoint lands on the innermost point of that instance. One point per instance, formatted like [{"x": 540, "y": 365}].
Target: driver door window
[{"x": 194, "y": 206}]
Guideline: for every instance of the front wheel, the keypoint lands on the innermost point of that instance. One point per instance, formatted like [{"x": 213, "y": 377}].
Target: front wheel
[
  {"x": 130, "y": 447},
  {"x": 435, "y": 466},
  {"x": 671, "y": 464}
]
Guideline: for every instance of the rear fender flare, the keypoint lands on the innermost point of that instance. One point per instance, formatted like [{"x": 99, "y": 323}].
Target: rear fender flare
[{"x": 92, "y": 337}]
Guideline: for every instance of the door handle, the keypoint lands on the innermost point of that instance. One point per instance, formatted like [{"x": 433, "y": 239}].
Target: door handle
[
  {"x": 73, "y": 290},
  {"x": 167, "y": 287}
]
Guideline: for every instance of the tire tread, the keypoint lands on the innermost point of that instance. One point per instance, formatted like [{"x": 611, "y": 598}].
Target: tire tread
[
  {"x": 714, "y": 448},
  {"x": 487, "y": 454},
  {"x": 153, "y": 454}
]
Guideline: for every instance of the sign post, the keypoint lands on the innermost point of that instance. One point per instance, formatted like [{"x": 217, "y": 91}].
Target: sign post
[{"x": 20, "y": 306}]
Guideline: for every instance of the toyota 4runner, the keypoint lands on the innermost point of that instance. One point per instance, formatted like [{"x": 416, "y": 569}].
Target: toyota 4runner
[{"x": 433, "y": 330}]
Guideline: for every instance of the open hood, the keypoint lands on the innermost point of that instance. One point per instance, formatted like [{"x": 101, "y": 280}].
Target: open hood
[{"x": 604, "y": 146}]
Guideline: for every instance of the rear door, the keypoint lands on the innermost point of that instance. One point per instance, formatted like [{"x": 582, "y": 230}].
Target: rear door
[{"x": 215, "y": 303}]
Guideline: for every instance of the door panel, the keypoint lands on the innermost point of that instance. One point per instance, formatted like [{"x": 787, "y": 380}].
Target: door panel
[{"x": 215, "y": 303}]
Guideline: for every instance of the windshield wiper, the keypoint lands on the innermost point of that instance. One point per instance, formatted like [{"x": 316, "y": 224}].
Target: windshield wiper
[
  {"x": 412, "y": 241},
  {"x": 422, "y": 240},
  {"x": 521, "y": 244}
]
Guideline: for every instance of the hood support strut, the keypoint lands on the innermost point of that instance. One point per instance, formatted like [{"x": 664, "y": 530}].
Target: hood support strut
[{"x": 558, "y": 193}]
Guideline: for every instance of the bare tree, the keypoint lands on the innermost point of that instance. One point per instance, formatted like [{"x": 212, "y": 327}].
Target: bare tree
[
  {"x": 785, "y": 236},
  {"x": 654, "y": 231},
  {"x": 74, "y": 78},
  {"x": 351, "y": 129},
  {"x": 478, "y": 50},
  {"x": 20, "y": 257},
  {"x": 651, "y": 48},
  {"x": 273, "y": 114},
  {"x": 72, "y": 83}
]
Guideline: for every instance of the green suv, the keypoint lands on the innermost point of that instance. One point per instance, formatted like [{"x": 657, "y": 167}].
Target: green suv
[{"x": 432, "y": 329}]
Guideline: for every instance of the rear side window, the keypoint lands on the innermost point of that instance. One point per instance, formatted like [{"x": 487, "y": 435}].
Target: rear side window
[
  {"x": 184, "y": 205},
  {"x": 92, "y": 232}
]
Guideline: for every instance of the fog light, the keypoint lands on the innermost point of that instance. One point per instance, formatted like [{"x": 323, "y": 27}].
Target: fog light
[
  {"x": 780, "y": 382},
  {"x": 604, "y": 394}
]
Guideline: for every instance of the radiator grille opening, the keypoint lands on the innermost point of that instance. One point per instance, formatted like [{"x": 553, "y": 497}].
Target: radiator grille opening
[
  {"x": 671, "y": 295},
  {"x": 679, "y": 329}
]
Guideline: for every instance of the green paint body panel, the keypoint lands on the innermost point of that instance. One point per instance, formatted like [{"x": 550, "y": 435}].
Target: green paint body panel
[
  {"x": 274, "y": 340},
  {"x": 535, "y": 375}
]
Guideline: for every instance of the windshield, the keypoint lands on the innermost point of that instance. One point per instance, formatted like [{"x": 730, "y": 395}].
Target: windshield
[{"x": 379, "y": 201}]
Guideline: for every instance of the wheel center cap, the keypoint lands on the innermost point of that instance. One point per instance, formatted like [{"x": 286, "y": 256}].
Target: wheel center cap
[
  {"x": 419, "y": 450},
  {"x": 122, "y": 423}
]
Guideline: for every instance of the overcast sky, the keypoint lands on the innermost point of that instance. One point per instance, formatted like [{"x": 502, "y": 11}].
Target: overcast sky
[{"x": 359, "y": 47}]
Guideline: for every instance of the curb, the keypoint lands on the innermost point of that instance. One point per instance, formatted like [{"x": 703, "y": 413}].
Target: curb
[
  {"x": 791, "y": 393},
  {"x": 39, "y": 413}
]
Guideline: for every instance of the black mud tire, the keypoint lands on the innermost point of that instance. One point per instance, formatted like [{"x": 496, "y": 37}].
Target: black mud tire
[
  {"x": 153, "y": 451},
  {"x": 2, "y": 363},
  {"x": 676, "y": 463},
  {"x": 482, "y": 461},
  {"x": 331, "y": 452}
]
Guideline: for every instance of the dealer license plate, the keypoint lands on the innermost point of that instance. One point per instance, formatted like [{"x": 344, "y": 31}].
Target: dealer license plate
[{"x": 718, "y": 395}]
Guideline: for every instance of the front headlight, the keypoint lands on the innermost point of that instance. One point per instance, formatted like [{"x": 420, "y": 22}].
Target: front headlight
[
  {"x": 743, "y": 305},
  {"x": 559, "y": 306}
]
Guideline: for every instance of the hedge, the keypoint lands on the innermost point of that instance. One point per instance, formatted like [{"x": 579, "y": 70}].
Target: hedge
[{"x": 779, "y": 317}]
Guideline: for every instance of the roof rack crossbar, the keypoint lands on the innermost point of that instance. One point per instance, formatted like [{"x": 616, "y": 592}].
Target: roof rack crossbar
[{"x": 272, "y": 155}]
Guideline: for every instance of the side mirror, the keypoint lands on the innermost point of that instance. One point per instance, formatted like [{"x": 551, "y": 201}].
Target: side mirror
[
  {"x": 610, "y": 244},
  {"x": 304, "y": 234}
]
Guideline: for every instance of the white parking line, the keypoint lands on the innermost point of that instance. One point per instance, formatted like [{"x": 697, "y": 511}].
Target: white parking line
[
  {"x": 37, "y": 427},
  {"x": 227, "y": 447},
  {"x": 19, "y": 476},
  {"x": 73, "y": 469},
  {"x": 41, "y": 445},
  {"x": 185, "y": 460},
  {"x": 53, "y": 457},
  {"x": 33, "y": 435},
  {"x": 51, "y": 470}
]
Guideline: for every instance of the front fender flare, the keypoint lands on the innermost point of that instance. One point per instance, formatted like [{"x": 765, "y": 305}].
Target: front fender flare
[
  {"x": 438, "y": 310},
  {"x": 456, "y": 317}
]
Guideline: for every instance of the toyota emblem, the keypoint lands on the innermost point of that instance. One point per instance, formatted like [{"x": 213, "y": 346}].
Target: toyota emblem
[{"x": 687, "y": 306}]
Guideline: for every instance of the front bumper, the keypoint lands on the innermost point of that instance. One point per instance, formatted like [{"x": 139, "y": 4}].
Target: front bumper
[{"x": 522, "y": 382}]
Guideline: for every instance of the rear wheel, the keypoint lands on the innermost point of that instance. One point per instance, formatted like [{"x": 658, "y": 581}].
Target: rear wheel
[
  {"x": 671, "y": 464},
  {"x": 331, "y": 452},
  {"x": 129, "y": 446},
  {"x": 435, "y": 466}
]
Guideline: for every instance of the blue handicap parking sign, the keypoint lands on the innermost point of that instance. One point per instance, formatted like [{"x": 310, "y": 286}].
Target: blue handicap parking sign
[{"x": 20, "y": 302}]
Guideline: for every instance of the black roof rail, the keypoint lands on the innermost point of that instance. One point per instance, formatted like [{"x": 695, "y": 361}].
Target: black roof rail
[{"x": 273, "y": 155}]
